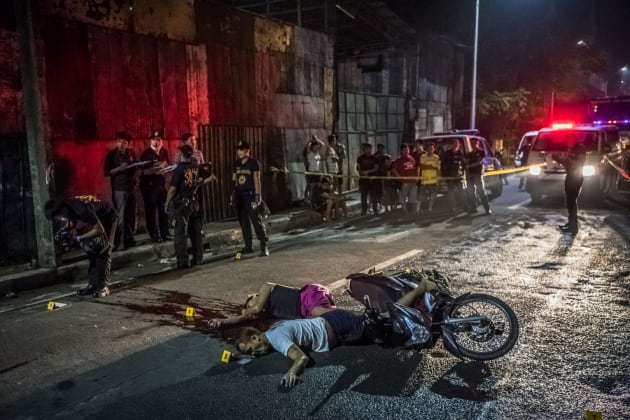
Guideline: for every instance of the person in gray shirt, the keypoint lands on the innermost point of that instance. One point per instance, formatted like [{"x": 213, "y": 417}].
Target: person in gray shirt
[{"x": 332, "y": 328}]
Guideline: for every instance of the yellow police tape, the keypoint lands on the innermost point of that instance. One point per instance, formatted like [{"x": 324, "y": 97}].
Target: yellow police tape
[
  {"x": 406, "y": 178},
  {"x": 619, "y": 170}
]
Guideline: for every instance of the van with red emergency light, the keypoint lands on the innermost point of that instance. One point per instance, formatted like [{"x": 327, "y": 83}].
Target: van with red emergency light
[
  {"x": 602, "y": 177},
  {"x": 467, "y": 139}
]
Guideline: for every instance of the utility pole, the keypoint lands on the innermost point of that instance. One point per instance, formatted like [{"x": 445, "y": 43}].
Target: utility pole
[
  {"x": 473, "y": 101},
  {"x": 39, "y": 150}
]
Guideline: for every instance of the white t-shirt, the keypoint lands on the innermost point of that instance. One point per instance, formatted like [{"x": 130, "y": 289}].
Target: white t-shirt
[{"x": 308, "y": 334}]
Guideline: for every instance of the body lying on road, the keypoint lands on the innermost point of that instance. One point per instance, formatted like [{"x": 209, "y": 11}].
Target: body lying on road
[
  {"x": 283, "y": 302},
  {"x": 293, "y": 337}
]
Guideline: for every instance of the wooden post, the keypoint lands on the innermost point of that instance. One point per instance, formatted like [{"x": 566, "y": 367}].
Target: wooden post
[{"x": 39, "y": 149}]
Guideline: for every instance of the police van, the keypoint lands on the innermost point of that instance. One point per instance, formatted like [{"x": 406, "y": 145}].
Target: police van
[
  {"x": 520, "y": 159},
  {"x": 603, "y": 156},
  {"x": 467, "y": 139}
]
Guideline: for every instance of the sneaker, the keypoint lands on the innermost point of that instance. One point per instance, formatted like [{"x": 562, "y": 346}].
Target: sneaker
[
  {"x": 264, "y": 251},
  {"x": 247, "y": 250},
  {"x": 101, "y": 293},
  {"x": 488, "y": 212},
  {"x": 86, "y": 291}
]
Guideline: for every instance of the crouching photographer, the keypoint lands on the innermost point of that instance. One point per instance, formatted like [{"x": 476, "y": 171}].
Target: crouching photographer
[{"x": 90, "y": 224}]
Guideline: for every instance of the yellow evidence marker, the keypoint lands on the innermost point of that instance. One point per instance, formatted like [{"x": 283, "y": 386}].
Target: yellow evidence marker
[
  {"x": 227, "y": 355},
  {"x": 238, "y": 256},
  {"x": 190, "y": 312},
  {"x": 55, "y": 305}
]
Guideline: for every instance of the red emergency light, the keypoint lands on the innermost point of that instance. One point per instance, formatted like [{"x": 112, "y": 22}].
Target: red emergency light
[{"x": 562, "y": 126}]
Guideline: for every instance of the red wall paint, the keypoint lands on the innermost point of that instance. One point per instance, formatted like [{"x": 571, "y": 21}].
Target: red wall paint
[{"x": 79, "y": 166}]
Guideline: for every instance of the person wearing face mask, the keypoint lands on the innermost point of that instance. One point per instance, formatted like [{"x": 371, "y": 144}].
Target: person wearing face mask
[
  {"x": 89, "y": 223},
  {"x": 153, "y": 189}
]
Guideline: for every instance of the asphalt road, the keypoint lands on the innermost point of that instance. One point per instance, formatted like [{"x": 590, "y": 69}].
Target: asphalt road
[{"x": 134, "y": 355}]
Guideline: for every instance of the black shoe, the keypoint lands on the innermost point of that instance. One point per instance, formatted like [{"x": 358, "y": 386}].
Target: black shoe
[
  {"x": 167, "y": 237},
  {"x": 247, "y": 250},
  {"x": 182, "y": 265},
  {"x": 264, "y": 251},
  {"x": 488, "y": 212},
  {"x": 156, "y": 239},
  {"x": 129, "y": 244},
  {"x": 86, "y": 291}
]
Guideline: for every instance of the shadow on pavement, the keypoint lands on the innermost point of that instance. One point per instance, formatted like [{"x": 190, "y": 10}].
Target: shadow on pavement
[{"x": 469, "y": 381}]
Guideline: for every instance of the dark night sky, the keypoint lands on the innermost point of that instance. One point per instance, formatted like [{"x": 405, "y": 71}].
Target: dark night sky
[{"x": 604, "y": 23}]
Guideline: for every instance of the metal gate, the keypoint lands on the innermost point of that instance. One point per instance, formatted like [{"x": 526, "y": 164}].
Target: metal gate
[{"x": 217, "y": 145}]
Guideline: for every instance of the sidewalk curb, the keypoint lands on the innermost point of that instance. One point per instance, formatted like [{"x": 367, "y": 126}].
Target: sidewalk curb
[{"x": 213, "y": 239}]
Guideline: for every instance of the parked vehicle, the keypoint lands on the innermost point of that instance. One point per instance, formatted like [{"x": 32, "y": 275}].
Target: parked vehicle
[
  {"x": 603, "y": 150},
  {"x": 474, "y": 326},
  {"x": 524, "y": 146},
  {"x": 468, "y": 138}
]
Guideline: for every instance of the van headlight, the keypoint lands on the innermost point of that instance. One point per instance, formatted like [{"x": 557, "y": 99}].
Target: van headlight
[
  {"x": 535, "y": 170},
  {"x": 588, "y": 170}
]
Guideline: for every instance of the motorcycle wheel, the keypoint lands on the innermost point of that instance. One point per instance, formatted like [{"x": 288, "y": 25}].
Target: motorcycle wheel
[{"x": 489, "y": 340}]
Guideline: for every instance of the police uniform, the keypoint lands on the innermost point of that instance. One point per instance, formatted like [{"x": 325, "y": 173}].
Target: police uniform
[
  {"x": 246, "y": 201},
  {"x": 573, "y": 163},
  {"x": 152, "y": 187},
  {"x": 186, "y": 179},
  {"x": 474, "y": 181},
  {"x": 452, "y": 162}
]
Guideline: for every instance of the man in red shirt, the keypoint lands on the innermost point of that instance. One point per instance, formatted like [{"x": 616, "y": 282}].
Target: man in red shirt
[{"x": 407, "y": 167}]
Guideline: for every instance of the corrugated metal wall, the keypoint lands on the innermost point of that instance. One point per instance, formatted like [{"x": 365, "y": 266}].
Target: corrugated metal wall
[
  {"x": 370, "y": 118},
  {"x": 217, "y": 144}
]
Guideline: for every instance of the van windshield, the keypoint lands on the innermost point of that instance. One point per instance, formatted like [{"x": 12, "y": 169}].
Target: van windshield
[
  {"x": 554, "y": 141},
  {"x": 444, "y": 143}
]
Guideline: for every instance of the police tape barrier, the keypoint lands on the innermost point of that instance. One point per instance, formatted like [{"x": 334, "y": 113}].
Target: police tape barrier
[
  {"x": 407, "y": 178},
  {"x": 619, "y": 170}
]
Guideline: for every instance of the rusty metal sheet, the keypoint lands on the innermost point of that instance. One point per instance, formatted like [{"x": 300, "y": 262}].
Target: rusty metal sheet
[
  {"x": 115, "y": 14},
  {"x": 173, "y": 19},
  {"x": 197, "y": 85},
  {"x": 217, "y": 23},
  {"x": 270, "y": 36}
]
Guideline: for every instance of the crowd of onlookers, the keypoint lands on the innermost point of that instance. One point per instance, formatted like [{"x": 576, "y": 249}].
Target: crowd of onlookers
[{"x": 410, "y": 182}]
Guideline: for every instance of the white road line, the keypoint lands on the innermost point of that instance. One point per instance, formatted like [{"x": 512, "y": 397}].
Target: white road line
[
  {"x": 522, "y": 203},
  {"x": 378, "y": 267},
  {"x": 384, "y": 238}
]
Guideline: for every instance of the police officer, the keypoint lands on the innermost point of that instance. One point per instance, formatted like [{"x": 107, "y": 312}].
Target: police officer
[
  {"x": 451, "y": 167},
  {"x": 123, "y": 181},
  {"x": 182, "y": 204},
  {"x": 474, "y": 179},
  {"x": 573, "y": 161},
  {"x": 152, "y": 187},
  {"x": 248, "y": 197},
  {"x": 91, "y": 224}
]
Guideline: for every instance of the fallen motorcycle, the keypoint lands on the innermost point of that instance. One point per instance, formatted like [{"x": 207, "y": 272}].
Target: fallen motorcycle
[{"x": 473, "y": 325}]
